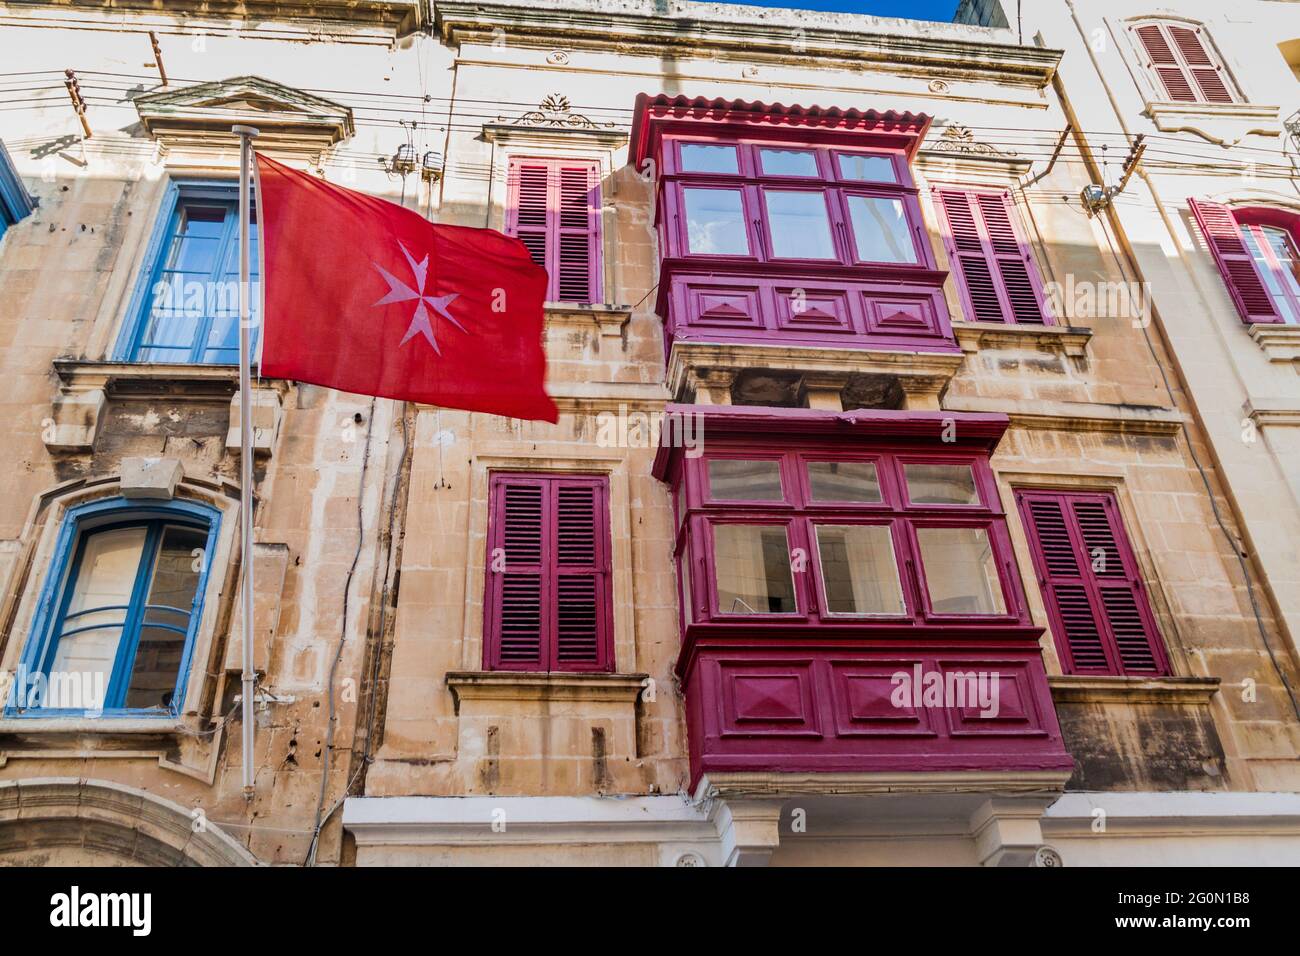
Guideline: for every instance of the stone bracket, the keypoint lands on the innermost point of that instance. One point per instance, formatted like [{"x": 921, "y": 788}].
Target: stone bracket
[
  {"x": 267, "y": 409},
  {"x": 75, "y": 419}
]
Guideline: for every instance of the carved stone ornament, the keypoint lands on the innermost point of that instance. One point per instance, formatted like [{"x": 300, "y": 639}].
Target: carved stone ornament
[
  {"x": 961, "y": 139},
  {"x": 555, "y": 112}
]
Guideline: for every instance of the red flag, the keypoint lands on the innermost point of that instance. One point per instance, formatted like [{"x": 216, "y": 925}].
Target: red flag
[{"x": 365, "y": 296}]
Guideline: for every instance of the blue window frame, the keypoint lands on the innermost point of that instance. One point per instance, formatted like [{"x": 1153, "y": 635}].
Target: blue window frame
[
  {"x": 114, "y": 629},
  {"x": 15, "y": 203},
  {"x": 185, "y": 308}
]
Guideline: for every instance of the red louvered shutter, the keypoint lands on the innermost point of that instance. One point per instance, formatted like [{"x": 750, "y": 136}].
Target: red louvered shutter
[
  {"x": 1183, "y": 63},
  {"x": 548, "y": 586},
  {"x": 1091, "y": 585},
  {"x": 1236, "y": 264},
  {"x": 994, "y": 265},
  {"x": 553, "y": 206},
  {"x": 1205, "y": 71}
]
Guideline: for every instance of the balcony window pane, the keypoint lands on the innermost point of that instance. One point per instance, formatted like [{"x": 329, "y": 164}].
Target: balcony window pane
[
  {"x": 880, "y": 229},
  {"x": 941, "y": 485},
  {"x": 859, "y": 573},
  {"x": 799, "y": 224},
  {"x": 702, "y": 158},
  {"x": 961, "y": 572},
  {"x": 843, "y": 481},
  {"x": 865, "y": 168},
  {"x": 715, "y": 222},
  {"x": 788, "y": 162},
  {"x": 739, "y": 479},
  {"x": 752, "y": 564},
  {"x": 684, "y": 572}
]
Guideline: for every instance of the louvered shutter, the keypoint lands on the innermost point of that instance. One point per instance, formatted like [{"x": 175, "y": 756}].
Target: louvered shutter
[
  {"x": 553, "y": 207},
  {"x": 1090, "y": 582},
  {"x": 1183, "y": 63},
  {"x": 548, "y": 592},
  {"x": 993, "y": 264},
  {"x": 1236, "y": 264}
]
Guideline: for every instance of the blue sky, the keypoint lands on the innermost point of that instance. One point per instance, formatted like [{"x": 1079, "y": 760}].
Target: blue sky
[{"x": 916, "y": 9}]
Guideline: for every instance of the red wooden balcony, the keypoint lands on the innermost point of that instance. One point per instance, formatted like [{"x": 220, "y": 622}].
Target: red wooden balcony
[{"x": 850, "y": 600}]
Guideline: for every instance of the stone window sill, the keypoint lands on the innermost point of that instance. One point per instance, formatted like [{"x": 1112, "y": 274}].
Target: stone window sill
[
  {"x": 1133, "y": 690},
  {"x": 1281, "y": 343},
  {"x": 1223, "y": 123},
  {"x": 1068, "y": 340},
  {"x": 529, "y": 685},
  {"x": 610, "y": 319}
]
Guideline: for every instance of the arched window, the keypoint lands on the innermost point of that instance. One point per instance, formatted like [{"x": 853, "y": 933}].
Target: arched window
[
  {"x": 1258, "y": 253},
  {"x": 115, "y": 624},
  {"x": 1183, "y": 62}
]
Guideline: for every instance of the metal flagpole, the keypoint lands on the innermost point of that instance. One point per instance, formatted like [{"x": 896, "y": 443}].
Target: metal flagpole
[{"x": 246, "y": 134}]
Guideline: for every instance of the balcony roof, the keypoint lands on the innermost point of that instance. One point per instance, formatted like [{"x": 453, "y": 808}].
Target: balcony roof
[{"x": 653, "y": 113}]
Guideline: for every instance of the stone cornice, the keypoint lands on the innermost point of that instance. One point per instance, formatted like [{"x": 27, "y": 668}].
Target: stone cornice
[
  {"x": 401, "y": 17},
  {"x": 704, "y": 29},
  {"x": 520, "y": 685}
]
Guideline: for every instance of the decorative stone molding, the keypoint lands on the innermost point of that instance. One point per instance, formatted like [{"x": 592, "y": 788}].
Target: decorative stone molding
[
  {"x": 1071, "y": 341},
  {"x": 956, "y": 138},
  {"x": 121, "y": 823},
  {"x": 644, "y": 27},
  {"x": 197, "y": 119},
  {"x": 672, "y": 828},
  {"x": 1226, "y": 124},
  {"x": 1008, "y": 831},
  {"x": 1281, "y": 343}
]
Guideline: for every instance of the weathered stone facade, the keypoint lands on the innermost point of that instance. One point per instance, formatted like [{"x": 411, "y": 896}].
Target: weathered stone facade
[{"x": 372, "y": 516}]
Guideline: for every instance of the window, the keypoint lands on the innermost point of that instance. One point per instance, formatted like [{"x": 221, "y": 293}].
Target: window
[
  {"x": 1256, "y": 252},
  {"x": 777, "y": 202},
  {"x": 991, "y": 261},
  {"x": 188, "y": 309},
  {"x": 548, "y": 605},
  {"x": 1183, "y": 62},
  {"x": 1090, "y": 582},
  {"x": 15, "y": 203},
  {"x": 119, "y": 612},
  {"x": 715, "y": 222},
  {"x": 553, "y": 207},
  {"x": 820, "y": 535}
]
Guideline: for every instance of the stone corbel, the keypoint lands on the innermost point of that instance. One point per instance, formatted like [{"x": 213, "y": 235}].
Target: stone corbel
[
  {"x": 823, "y": 391},
  {"x": 267, "y": 409},
  {"x": 749, "y": 829},
  {"x": 75, "y": 418},
  {"x": 713, "y": 386},
  {"x": 922, "y": 392},
  {"x": 1008, "y": 831}
]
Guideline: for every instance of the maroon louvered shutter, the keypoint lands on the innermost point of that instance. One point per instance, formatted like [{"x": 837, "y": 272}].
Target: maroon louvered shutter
[
  {"x": 1090, "y": 582},
  {"x": 1236, "y": 264},
  {"x": 548, "y": 587},
  {"x": 1183, "y": 63},
  {"x": 1204, "y": 69},
  {"x": 553, "y": 207},
  {"x": 993, "y": 263}
]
